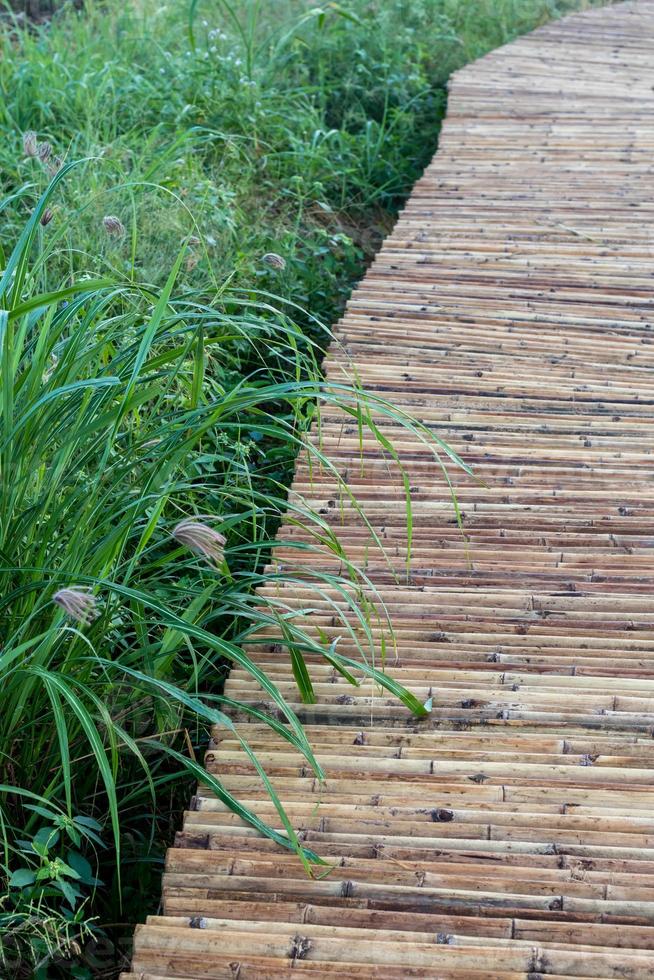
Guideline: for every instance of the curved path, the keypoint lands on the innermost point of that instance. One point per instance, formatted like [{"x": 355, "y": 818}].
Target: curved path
[{"x": 511, "y": 834}]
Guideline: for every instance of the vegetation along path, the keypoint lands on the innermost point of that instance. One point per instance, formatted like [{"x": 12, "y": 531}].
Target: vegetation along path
[{"x": 510, "y": 833}]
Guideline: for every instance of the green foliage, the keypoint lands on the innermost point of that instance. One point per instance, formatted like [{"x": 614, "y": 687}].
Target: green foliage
[
  {"x": 154, "y": 367},
  {"x": 287, "y": 127}
]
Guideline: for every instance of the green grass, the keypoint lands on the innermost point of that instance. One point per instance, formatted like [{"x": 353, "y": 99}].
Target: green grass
[{"x": 168, "y": 369}]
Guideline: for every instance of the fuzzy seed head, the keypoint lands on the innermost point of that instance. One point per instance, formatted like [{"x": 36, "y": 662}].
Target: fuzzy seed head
[
  {"x": 113, "y": 226},
  {"x": 54, "y": 165},
  {"x": 30, "y": 143},
  {"x": 273, "y": 260},
  {"x": 44, "y": 152},
  {"x": 78, "y": 604},
  {"x": 201, "y": 538}
]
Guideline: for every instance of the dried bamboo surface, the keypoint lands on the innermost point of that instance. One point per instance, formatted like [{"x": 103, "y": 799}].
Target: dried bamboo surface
[{"x": 510, "y": 834}]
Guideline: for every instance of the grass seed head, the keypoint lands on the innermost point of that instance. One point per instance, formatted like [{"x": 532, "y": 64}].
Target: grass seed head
[
  {"x": 44, "y": 151},
  {"x": 113, "y": 226},
  {"x": 201, "y": 538},
  {"x": 30, "y": 143},
  {"x": 77, "y": 604},
  {"x": 54, "y": 165},
  {"x": 274, "y": 260}
]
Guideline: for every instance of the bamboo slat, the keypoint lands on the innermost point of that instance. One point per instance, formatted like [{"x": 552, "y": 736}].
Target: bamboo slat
[{"x": 510, "y": 834}]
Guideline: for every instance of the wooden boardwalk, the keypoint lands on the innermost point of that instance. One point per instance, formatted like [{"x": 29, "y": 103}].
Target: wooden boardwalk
[{"x": 511, "y": 833}]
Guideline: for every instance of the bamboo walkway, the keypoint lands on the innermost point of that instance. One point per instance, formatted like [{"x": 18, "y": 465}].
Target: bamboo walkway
[{"x": 511, "y": 834}]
